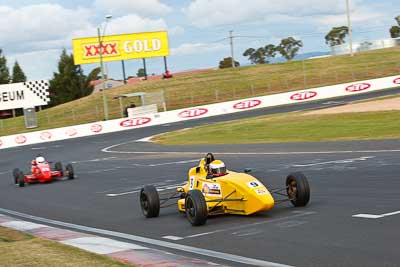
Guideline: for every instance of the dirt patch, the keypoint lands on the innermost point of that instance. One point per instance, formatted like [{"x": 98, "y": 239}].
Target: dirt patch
[{"x": 370, "y": 106}]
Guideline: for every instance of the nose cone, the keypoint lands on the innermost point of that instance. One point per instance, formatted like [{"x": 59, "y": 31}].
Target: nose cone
[{"x": 46, "y": 174}]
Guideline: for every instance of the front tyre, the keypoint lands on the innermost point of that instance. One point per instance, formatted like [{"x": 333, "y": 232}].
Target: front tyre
[
  {"x": 196, "y": 208},
  {"x": 21, "y": 179},
  {"x": 15, "y": 173},
  {"x": 69, "y": 171},
  {"x": 58, "y": 167},
  {"x": 149, "y": 201},
  {"x": 298, "y": 189}
]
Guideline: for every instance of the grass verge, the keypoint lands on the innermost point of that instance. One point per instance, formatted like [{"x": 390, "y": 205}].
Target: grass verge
[
  {"x": 19, "y": 249},
  {"x": 223, "y": 85},
  {"x": 292, "y": 127}
]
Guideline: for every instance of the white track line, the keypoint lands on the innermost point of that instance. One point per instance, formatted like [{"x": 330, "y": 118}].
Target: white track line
[
  {"x": 373, "y": 216},
  {"x": 95, "y": 160},
  {"x": 251, "y": 224},
  {"x": 334, "y": 161},
  {"x": 108, "y": 150},
  {"x": 159, "y": 189},
  {"x": 160, "y": 243}
]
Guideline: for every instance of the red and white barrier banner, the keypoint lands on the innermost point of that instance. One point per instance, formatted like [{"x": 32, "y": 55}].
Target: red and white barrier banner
[{"x": 199, "y": 112}]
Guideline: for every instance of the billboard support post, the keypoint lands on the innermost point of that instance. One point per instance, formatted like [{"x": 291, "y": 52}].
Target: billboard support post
[
  {"x": 144, "y": 68},
  {"x": 123, "y": 71},
  {"x": 103, "y": 87},
  {"x": 165, "y": 64}
]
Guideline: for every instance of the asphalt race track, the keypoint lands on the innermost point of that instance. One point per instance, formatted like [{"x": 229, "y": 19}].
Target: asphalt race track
[{"x": 347, "y": 178}]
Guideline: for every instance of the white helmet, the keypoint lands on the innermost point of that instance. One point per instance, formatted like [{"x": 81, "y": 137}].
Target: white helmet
[
  {"x": 40, "y": 159},
  {"x": 217, "y": 168}
]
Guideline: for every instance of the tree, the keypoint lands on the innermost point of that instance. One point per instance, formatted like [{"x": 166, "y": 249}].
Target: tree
[
  {"x": 140, "y": 72},
  {"x": 250, "y": 53},
  {"x": 18, "y": 75},
  {"x": 261, "y": 55},
  {"x": 227, "y": 63},
  {"x": 289, "y": 47},
  {"x": 255, "y": 56},
  {"x": 336, "y": 35},
  {"x": 70, "y": 83},
  {"x": 4, "y": 73},
  {"x": 94, "y": 75},
  {"x": 395, "y": 30},
  {"x": 270, "y": 51}
]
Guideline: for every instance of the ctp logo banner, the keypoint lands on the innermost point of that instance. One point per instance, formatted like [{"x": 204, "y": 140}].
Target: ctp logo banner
[
  {"x": 46, "y": 135},
  {"x": 246, "y": 104},
  {"x": 358, "y": 87},
  {"x": 134, "y": 122},
  {"x": 121, "y": 47},
  {"x": 303, "y": 95},
  {"x": 96, "y": 128},
  {"x": 193, "y": 112},
  {"x": 20, "y": 139}
]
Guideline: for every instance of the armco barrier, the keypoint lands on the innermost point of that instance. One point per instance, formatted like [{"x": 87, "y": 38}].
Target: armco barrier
[{"x": 199, "y": 112}]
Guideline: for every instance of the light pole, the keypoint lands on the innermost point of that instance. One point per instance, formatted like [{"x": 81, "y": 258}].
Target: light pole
[
  {"x": 231, "y": 43},
  {"x": 349, "y": 27},
  {"x": 103, "y": 87}
]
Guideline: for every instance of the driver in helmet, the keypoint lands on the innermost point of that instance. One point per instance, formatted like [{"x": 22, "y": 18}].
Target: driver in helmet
[
  {"x": 40, "y": 160},
  {"x": 216, "y": 169},
  {"x": 35, "y": 162}
]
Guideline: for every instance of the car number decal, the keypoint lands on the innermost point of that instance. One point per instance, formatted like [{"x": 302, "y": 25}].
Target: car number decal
[
  {"x": 253, "y": 184},
  {"x": 191, "y": 182}
]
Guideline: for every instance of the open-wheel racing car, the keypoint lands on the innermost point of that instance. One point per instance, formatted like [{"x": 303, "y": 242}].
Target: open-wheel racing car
[
  {"x": 42, "y": 172},
  {"x": 213, "y": 190}
]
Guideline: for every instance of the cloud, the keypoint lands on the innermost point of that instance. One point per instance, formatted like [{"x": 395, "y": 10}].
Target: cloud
[
  {"x": 36, "y": 65},
  {"x": 198, "y": 49},
  {"x": 44, "y": 26},
  {"x": 358, "y": 15},
  {"x": 176, "y": 31},
  {"x": 144, "y": 8},
  {"x": 133, "y": 23},
  {"x": 204, "y": 13}
]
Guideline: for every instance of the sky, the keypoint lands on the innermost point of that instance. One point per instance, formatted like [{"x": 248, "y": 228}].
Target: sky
[{"x": 34, "y": 32}]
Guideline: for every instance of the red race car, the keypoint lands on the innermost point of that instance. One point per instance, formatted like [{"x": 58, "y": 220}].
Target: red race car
[{"x": 41, "y": 172}]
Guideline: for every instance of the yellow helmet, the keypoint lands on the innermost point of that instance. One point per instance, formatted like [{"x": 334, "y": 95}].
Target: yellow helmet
[{"x": 217, "y": 168}]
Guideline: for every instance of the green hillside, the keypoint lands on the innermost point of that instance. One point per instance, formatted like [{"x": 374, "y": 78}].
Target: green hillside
[{"x": 222, "y": 85}]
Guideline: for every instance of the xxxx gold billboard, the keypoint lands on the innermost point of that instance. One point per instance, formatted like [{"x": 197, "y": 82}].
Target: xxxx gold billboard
[{"x": 120, "y": 47}]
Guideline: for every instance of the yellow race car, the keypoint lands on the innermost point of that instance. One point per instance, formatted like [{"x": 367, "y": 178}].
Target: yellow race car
[{"x": 212, "y": 190}]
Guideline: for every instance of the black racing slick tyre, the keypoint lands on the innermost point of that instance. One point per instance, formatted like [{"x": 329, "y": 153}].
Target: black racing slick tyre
[
  {"x": 149, "y": 201},
  {"x": 297, "y": 189},
  {"x": 15, "y": 173},
  {"x": 21, "y": 179},
  {"x": 196, "y": 208},
  {"x": 58, "y": 167},
  {"x": 69, "y": 171}
]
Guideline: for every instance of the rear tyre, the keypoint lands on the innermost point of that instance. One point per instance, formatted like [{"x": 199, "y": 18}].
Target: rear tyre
[
  {"x": 196, "y": 208},
  {"x": 15, "y": 172},
  {"x": 149, "y": 201},
  {"x": 69, "y": 171},
  {"x": 21, "y": 179},
  {"x": 58, "y": 167},
  {"x": 298, "y": 189}
]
